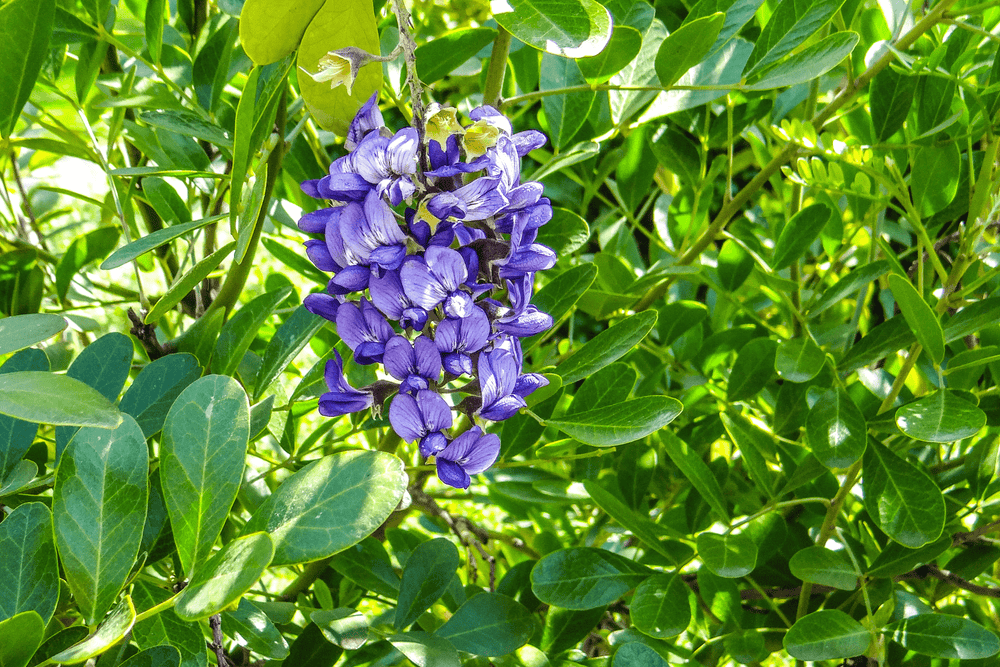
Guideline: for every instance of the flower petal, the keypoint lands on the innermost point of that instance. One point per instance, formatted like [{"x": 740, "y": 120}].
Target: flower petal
[
  {"x": 452, "y": 474},
  {"x": 405, "y": 418}
]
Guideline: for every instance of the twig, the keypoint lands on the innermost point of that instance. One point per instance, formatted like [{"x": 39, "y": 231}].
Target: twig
[
  {"x": 412, "y": 81},
  {"x": 215, "y": 622},
  {"x": 146, "y": 333},
  {"x": 468, "y": 533},
  {"x": 26, "y": 203}
]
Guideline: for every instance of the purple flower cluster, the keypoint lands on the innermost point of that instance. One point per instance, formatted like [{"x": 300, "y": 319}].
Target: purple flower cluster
[{"x": 437, "y": 242}]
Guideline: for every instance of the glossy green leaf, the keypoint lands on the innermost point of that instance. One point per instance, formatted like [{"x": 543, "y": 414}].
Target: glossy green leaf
[
  {"x": 202, "y": 452},
  {"x": 367, "y": 564},
  {"x": 944, "y": 636},
  {"x": 312, "y": 648},
  {"x": 735, "y": 265},
  {"x": 180, "y": 288},
  {"x": 621, "y": 49},
  {"x": 345, "y": 627},
  {"x": 154, "y": 27},
  {"x": 166, "y": 628},
  {"x": 934, "y": 178},
  {"x": 644, "y": 529},
  {"x": 293, "y": 335},
  {"x": 157, "y": 656},
  {"x": 890, "y": 336},
  {"x": 426, "y": 577},
  {"x": 152, "y": 241},
  {"x": 921, "y": 318},
  {"x": 678, "y": 317},
  {"x": 83, "y": 250},
  {"x": 114, "y": 628},
  {"x": 25, "y": 29},
  {"x": 721, "y": 69},
  {"x": 256, "y": 630},
  {"x": 29, "y": 628},
  {"x": 686, "y": 47},
  {"x": 660, "y": 606},
  {"x": 154, "y": 390},
  {"x": 619, "y": 423},
  {"x": 98, "y": 510},
  {"x": 29, "y": 571},
  {"x": 210, "y": 70},
  {"x": 819, "y": 565},
  {"x": 675, "y": 150},
  {"x": 826, "y": 635},
  {"x": 836, "y": 430},
  {"x": 810, "y": 63},
  {"x": 746, "y": 646},
  {"x": 940, "y": 417},
  {"x": 896, "y": 559},
  {"x": 57, "y": 643},
  {"x": 972, "y": 318},
  {"x": 855, "y": 280},
  {"x": 791, "y": 24},
  {"x": 738, "y": 14},
  {"x": 330, "y": 504},
  {"x": 612, "y": 384},
  {"x": 565, "y": 233},
  {"x": 696, "y": 471},
  {"x": 489, "y": 624},
  {"x": 752, "y": 370},
  {"x": 18, "y": 478},
  {"x": 187, "y": 123},
  {"x": 730, "y": 556},
  {"x": 584, "y": 577},
  {"x": 165, "y": 201},
  {"x": 564, "y": 628},
  {"x": 799, "y": 360},
  {"x": 559, "y": 296},
  {"x": 225, "y": 577},
  {"x": 891, "y": 96},
  {"x": 270, "y": 30},
  {"x": 799, "y": 233},
  {"x": 755, "y": 448},
  {"x": 425, "y": 650},
  {"x": 902, "y": 499},
  {"x": 21, "y": 331},
  {"x": 17, "y": 435},
  {"x": 444, "y": 54},
  {"x": 237, "y": 333},
  {"x": 569, "y": 28},
  {"x": 566, "y": 113},
  {"x": 607, "y": 346},
  {"x": 635, "y": 654}
]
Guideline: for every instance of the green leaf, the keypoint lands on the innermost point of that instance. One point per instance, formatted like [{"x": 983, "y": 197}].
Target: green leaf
[
  {"x": 180, "y": 288},
  {"x": 730, "y": 556},
  {"x": 187, "y": 123},
  {"x": 489, "y": 624},
  {"x": 903, "y": 500},
  {"x": 828, "y": 634},
  {"x": 98, "y": 510},
  {"x": 612, "y": 384},
  {"x": 559, "y": 296},
  {"x": 791, "y": 24},
  {"x": 29, "y": 571},
  {"x": 29, "y": 628},
  {"x": 22, "y": 474},
  {"x": 17, "y": 435},
  {"x": 755, "y": 447},
  {"x": 635, "y": 654},
  {"x": 425, "y": 650},
  {"x": 934, "y": 178},
  {"x": 111, "y": 631},
  {"x": 895, "y": 559},
  {"x": 256, "y": 630},
  {"x": 675, "y": 150},
  {"x": 367, "y": 564},
  {"x": 746, "y": 646},
  {"x": 270, "y": 30},
  {"x": 752, "y": 370},
  {"x": 21, "y": 331},
  {"x": 584, "y": 577},
  {"x": 166, "y": 628},
  {"x": 565, "y": 233},
  {"x": 890, "y": 336},
  {"x": 660, "y": 606},
  {"x": 622, "y": 48},
  {"x": 696, "y": 471},
  {"x": 312, "y": 648},
  {"x": 564, "y": 628},
  {"x": 810, "y": 63},
  {"x": 644, "y": 529},
  {"x": 738, "y": 14},
  {"x": 202, "y": 452},
  {"x": 157, "y": 656},
  {"x": 25, "y": 28},
  {"x": 565, "y": 113},
  {"x": 720, "y": 69},
  {"x": 569, "y": 28},
  {"x": 345, "y": 627},
  {"x": 972, "y": 318},
  {"x": 225, "y": 577},
  {"x": 56, "y": 643},
  {"x": 140, "y": 247},
  {"x": 836, "y": 430},
  {"x": 890, "y": 96},
  {"x": 441, "y": 56},
  {"x": 607, "y": 346},
  {"x": 799, "y": 233},
  {"x": 619, "y": 423},
  {"x": 944, "y": 636},
  {"x": 293, "y": 335},
  {"x": 210, "y": 70},
  {"x": 940, "y": 417},
  {"x": 734, "y": 265},
  {"x": 426, "y": 577},
  {"x": 330, "y": 504},
  {"x": 154, "y": 390},
  {"x": 237, "y": 333},
  {"x": 686, "y": 47},
  {"x": 154, "y": 27},
  {"x": 247, "y": 214},
  {"x": 799, "y": 360},
  {"x": 819, "y": 565},
  {"x": 165, "y": 201},
  {"x": 857, "y": 278},
  {"x": 82, "y": 251},
  {"x": 921, "y": 318},
  {"x": 676, "y": 318}
]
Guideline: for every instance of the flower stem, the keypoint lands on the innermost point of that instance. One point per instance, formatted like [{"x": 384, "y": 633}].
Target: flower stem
[{"x": 497, "y": 69}]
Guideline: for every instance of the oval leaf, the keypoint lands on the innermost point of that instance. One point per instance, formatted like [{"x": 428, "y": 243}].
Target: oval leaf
[
  {"x": 272, "y": 29},
  {"x": 21, "y": 331},
  {"x": 686, "y": 47},
  {"x": 819, "y": 565},
  {"x": 944, "y": 636},
  {"x": 584, "y": 577},
  {"x": 426, "y": 577},
  {"x": 47, "y": 398},
  {"x": 256, "y": 630},
  {"x": 225, "y": 577},
  {"x": 829, "y": 634},
  {"x": 903, "y": 500},
  {"x": 569, "y": 28},
  {"x": 798, "y": 234},
  {"x": 622, "y": 49},
  {"x": 836, "y": 430},
  {"x": 29, "y": 571},
  {"x": 940, "y": 417},
  {"x": 921, "y": 318},
  {"x": 660, "y": 607},
  {"x": 799, "y": 360},
  {"x": 111, "y": 631},
  {"x": 619, "y": 423},
  {"x": 489, "y": 624},
  {"x": 730, "y": 556}
]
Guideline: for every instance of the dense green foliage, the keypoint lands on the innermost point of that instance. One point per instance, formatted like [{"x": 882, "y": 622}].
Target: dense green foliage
[{"x": 772, "y": 423}]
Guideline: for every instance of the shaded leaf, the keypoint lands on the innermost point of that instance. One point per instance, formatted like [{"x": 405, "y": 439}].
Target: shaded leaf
[
  {"x": 489, "y": 624},
  {"x": 29, "y": 571},
  {"x": 902, "y": 499},
  {"x": 584, "y": 577}
]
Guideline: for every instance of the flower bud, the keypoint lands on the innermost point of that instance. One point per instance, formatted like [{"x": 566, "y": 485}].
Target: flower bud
[{"x": 341, "y": 67}]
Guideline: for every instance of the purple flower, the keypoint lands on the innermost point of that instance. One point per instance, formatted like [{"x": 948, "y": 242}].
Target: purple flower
[
  {"x": 364, "y": 329},
  {"x": 416, "y": 364},
  {"x": 388, "y": 296},
  {"x": 368, "y": 118},
  {"x": 422, "y": 417},
  {"x": 457, "y": 338},
  {"x": 476, "y": 201},
  {"x": 388, "y": 163},
  {"x": 372, "y": 233},
  {"x": 498, "y": 373},
  {"x": 342, "y": 398},
  {"x": 323, "y": 305},
  {"x": 438, "y": 277},
  {"x": 469, "y": 454}
]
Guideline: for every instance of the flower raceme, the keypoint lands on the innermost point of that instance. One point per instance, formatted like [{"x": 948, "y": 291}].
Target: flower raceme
[{"x": 433, "y": 270}]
